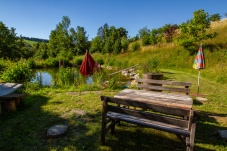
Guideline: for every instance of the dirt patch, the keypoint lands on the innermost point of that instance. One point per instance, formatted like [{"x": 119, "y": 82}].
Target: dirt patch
[{"x": 83, "y": 93}]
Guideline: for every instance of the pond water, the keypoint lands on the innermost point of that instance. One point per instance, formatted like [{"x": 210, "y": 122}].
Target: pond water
[{"x": 46, "y": 76}]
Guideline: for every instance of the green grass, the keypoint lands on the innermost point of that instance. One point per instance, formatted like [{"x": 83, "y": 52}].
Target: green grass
[
  {"x": 30, "y": 42},
  {"x": 26, "y": 128}
]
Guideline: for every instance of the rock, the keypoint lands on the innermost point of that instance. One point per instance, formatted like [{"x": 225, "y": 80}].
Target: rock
[
  {"x": 57, "y": 130},
  {"x": 223, "y": 134}
]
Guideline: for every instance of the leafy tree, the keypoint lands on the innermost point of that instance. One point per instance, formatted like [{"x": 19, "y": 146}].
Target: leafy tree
[
  {"x": 194, "y": 31},
  {"x": 109, "y": 39},
  {"x": 59, "y": 39},
  {"x": 80, "y": 40},
  {"x": 96, "y": 45},
  {"x": 144, "y": 32},
  {"x": 10, "y": 45},
  {"x": 156, "y": 36},
  {"x": 169, "y": 31},
  {"x": 41, "y": 50},
  {"x": 65, "y": 42},
  {"x": 215, "y": 17}
]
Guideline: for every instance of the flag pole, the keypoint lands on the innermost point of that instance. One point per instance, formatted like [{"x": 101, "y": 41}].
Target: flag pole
[{"x": 198, "y": 82}]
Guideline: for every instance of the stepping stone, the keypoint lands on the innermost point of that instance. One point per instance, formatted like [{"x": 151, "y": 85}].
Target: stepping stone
[
  {"x": 223, "y": 134},
  {"x": 201, "y": 99},
  {"x": 57, "y": 130}
]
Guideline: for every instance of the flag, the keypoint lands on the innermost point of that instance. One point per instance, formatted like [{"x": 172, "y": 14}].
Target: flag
[
  {"x": 88, "y": 65},
  {"x": 199, "y": 62}
]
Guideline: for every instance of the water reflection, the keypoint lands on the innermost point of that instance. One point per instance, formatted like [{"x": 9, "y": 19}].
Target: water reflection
[
  {"x": 44, "y": 78},
  {"x": 47, "y": 77}
]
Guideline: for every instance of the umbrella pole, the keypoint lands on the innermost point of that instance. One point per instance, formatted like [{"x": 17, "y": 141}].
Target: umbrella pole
[{"x": 198, "y": 82}]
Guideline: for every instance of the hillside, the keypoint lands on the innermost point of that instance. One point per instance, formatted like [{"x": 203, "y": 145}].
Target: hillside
[{"x": 173, "y": 56}]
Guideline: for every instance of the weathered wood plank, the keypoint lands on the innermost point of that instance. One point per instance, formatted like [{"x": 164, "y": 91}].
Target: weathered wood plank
[
  {"x": 164, "y": 82},
  {"x": 150, "y": 123},
  {"x": 155, "y": 116},
  {"x": 158, "y": 98},
  {"x": 152, "y": 87},
  {"x": 154, "y": 107}
]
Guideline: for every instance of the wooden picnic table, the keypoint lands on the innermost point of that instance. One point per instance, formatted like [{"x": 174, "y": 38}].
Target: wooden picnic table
[
  {"x": 159, "y": 98},
  {"x": 169, "y": 112}
]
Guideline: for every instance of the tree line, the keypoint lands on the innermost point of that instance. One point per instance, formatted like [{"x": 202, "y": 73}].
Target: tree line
[{"x": 65, "y": 41}]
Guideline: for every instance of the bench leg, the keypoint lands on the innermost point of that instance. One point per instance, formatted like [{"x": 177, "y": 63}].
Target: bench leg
[
  {"x": 103, "y": 132},
  {"x": 190, "y": 141},
  {"x": 113, "y": 126}
]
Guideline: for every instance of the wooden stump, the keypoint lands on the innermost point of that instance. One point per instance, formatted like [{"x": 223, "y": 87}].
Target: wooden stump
[
  {"x": 10, "y": 105},
  {"x": 10, "y": 102},
  {"x": 155, "y": 76}
]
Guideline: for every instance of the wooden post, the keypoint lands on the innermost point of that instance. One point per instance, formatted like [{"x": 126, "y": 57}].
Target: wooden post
[{"x": 155, "y": 76}]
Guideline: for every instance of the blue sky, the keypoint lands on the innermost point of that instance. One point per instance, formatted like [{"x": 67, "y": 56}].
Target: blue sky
[{"x": 36, "y": 18}]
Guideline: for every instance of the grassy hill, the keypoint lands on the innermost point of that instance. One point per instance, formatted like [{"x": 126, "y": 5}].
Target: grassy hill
[{"x": 173, "y": 56}]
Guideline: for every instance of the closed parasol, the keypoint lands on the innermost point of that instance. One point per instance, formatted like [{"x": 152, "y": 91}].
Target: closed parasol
[
  {"x": 199, "y": 62},
  {"x": 88, "y": 65}
]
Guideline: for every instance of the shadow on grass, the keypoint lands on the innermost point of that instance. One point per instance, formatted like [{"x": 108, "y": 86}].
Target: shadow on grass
[
  {"x": 207, "y": 131},
  {"x": 26, "y": 130}
]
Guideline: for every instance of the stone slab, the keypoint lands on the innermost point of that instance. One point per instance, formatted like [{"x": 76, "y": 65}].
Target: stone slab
[
  {"x": 57, "y": 130},
  {"x": 201, "y": 99},
  {"x": 223, "y": 133}
]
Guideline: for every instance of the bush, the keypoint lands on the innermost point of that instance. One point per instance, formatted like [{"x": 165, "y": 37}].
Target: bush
[
  {"x": 18, "y": 73},
  {"x": 78, "y": 62},
  {"x": 135, "y": 46},
  {"x": 100, "y": 61},
  {"x": 66, "y": 76}
]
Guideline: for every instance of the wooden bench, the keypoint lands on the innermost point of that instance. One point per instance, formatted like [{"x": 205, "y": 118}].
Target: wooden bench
[
  {"x": 164, "y": 85},
  {"x": 164, "y": 118}
]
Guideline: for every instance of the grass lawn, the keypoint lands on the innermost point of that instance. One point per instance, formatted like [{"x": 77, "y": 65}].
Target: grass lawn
[{"x": 25, "y": 129}]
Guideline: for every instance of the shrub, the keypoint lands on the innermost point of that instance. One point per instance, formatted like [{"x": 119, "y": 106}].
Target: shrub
[
  {"x": 135, "y": 46},
  {"x": 66, "y": 76},
  {"x": 18, "y": 73},
  {"x": 78, "y": 61}
]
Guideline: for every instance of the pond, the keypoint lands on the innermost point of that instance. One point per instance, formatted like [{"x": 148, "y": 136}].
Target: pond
[
  {"x": 47, "y": 76},
  {"x": 44, "y": 76}
]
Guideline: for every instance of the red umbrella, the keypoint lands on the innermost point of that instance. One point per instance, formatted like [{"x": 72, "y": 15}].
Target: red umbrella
[
  {"x": 199, "y": 62},
  {"x": 88, "y": 65}
]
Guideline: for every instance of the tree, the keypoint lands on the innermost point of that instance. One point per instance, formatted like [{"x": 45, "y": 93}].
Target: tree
[
  {"x": 194, "y": 31},
  {"x": 169, "y": 31},
  {"x": 80, "y": 39},
  {"x": 60, "y": 43},
  {"x": 65, "y": 42},
  {"x": 156, "y": 36},
  {"x": 11, "y": 46},
  {"x": 215, "y": 17},
  {"x": 109, "y": 39},
  {"x": 144, "y": 32}
]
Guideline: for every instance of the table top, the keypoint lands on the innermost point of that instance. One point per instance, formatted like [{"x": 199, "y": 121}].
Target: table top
[
  {"x": 7, "y": 88},
  {"x": 159, "y": 98}
]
